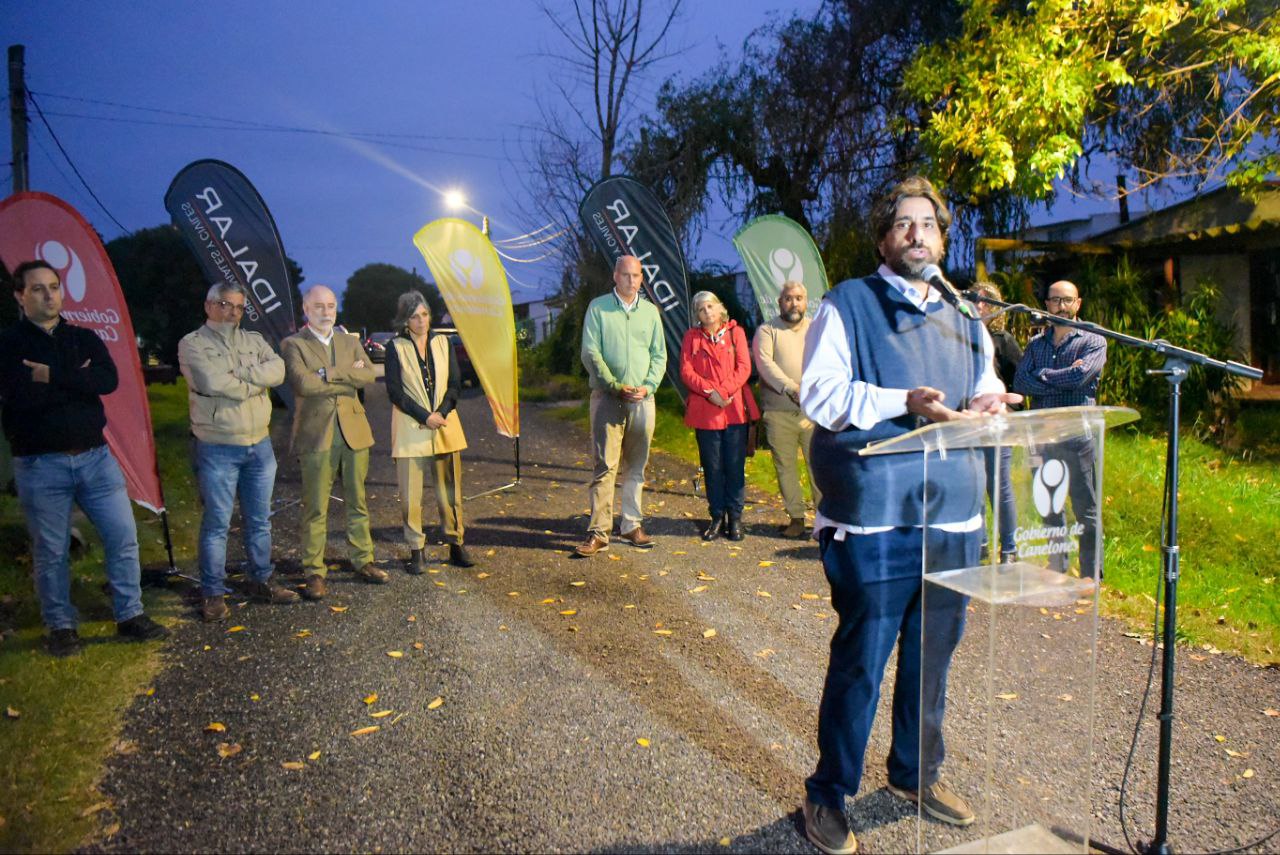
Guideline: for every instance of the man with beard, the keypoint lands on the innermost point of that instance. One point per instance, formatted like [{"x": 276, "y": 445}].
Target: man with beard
[
  {"x": 884, "y": 355},
  {"x": 778, "y": 349},
  {"x": 1061, "y": 369}
]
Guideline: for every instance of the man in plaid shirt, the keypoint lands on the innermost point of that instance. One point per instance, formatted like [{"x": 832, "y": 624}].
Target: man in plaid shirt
[{"x": 1060, "y": 368}]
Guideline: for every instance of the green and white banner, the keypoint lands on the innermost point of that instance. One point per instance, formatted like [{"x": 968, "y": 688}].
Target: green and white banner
[{"x": 776, "y": 249}]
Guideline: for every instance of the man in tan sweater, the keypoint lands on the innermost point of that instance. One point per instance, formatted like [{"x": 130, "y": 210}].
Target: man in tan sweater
[
  {"x": 230, "y": 373},
  {"x": 778, "y": 349}
]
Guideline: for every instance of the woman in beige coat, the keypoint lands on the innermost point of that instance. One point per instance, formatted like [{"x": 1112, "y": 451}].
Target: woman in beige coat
[{"x": 422, "y": 383}]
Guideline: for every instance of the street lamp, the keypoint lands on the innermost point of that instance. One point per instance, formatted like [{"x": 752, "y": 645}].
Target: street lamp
[{"x": 456, "y": 200}]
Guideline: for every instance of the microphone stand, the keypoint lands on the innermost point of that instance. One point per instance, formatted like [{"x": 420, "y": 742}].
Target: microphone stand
[{"x": 1176, "y": 362}]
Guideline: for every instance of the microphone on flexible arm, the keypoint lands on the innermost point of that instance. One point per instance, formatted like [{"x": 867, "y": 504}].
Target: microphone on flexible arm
[{"x": 933, "y": 275}]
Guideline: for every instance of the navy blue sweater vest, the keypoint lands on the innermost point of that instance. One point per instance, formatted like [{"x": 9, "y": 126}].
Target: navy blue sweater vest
[{"x": 896, "y": 345}]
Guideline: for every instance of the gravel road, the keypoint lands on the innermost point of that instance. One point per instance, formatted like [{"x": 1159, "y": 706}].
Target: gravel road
[{"x": 586, "y": 704}]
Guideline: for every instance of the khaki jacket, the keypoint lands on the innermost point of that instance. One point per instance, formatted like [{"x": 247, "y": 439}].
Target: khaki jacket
[
  {"x": 323, "y": 401},
  {"x": 228, "y": 380},
  {"x": 409, "y": 438},
  {"x": 779, "y": 355}
]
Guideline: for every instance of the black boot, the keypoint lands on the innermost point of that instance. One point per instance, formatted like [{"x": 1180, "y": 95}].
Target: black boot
[
  {"x": 733, "y": 529},
  {"x": 414, "y": 565},
  {"x": 715, "y": 529},
  {"x": 458, "y": 556}
]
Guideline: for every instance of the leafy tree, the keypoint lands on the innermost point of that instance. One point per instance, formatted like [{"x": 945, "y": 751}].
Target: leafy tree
[
  {"x": 372, "y": 292},
  {"x": 165, "y": 288},
  {"x": 1173, "y": 90}
]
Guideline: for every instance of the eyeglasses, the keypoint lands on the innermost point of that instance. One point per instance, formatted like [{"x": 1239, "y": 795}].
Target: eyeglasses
[
  {"x": 1059, "y": 301},
  {"x": 227, "y": 304}
]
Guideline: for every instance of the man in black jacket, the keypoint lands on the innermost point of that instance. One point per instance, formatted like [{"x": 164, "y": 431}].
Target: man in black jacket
[{"x": 52, "y": 379}]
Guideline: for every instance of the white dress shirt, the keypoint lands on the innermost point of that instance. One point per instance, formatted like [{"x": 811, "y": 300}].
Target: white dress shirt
[{"x": 830, "y": 396}]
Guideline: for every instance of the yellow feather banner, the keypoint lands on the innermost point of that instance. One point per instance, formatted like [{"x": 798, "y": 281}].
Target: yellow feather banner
[{"x": 473, "y": 283}]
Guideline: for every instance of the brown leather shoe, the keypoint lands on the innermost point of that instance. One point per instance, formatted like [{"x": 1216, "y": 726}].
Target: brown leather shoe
[
  {"x": 214, "y": 609},
  {"x": 315, "y": 589},
  {"x": 373, "y": 574},
  {"x": 265, "y": 592},
  {"x": 593, "y": 544},
  {"x": 637, "y": 538},
  {"x": 794, "y": 530}
]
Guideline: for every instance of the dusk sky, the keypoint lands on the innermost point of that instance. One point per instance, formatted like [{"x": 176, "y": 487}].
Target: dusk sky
[
  {"x": 136, "y": 90},
  {"x": 460, "y": 77}
]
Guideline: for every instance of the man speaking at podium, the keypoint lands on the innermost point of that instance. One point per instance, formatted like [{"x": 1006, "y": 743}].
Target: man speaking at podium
[{"x": 886, "y": 354}]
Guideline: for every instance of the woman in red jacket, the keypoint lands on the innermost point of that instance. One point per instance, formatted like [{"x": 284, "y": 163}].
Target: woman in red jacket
[{"x": 715, "y": 363}]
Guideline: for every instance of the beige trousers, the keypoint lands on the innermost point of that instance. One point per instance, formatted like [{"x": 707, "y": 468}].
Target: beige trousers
[
  {"x": 786, "y": 434},
  {"x": 446, "y": 473},
  {"x": 621, "y": 432}
]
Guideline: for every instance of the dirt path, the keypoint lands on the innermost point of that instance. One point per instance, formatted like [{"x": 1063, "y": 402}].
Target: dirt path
[{"x": 554, "y": 670}]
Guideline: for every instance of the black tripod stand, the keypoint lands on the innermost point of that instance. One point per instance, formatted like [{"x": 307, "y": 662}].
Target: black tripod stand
[{"x": 1177, "y": 360}]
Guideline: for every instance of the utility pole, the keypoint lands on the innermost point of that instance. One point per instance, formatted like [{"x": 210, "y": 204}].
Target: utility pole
[{"x": 18, "y": 116}]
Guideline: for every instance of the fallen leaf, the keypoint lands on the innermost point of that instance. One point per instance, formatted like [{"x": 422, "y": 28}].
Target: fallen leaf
[
  {"x": 151, "y": 690},
  {"x": 313, "y": 756},
  {"x": 509, "y": 593},
  {"x": 615, "y": 558},
  {"x": 491, "y": 553},
  {"x": 766, "y": 653},
  {"x": 418, "y": 645},
  {"x": 548, "y": 601},
  {"x": 1044, "y": 611},
  {"x": 1064, "y": 697},
  {"x": 96, "y": 808},
  {"x": 110, "y": 831},
  {"x": 215, "y": 727},
  {"x": 577, "y": 584},
  {"x": 708, "y": 633},
  {"x": 764, "y": 594},
  {"x": 236, "y": 629},
  {"x": 679, "y": 552},
  {"x": 766, "y": 564},
  {"x": 293, "y": 765},
  {"x": 229, "y": 749},
  {"x": 12, "y": 713},
  {"x": 395, "y": 654},
  {"x": 482, "y": 575},
  {"x": 1007, "y": 696},
  {"x": 568, "y": 612},
  {"x": 724, "y": 841},
  {"x": 1247, "y": 773},
  {"x": 662, "y": 632},
  {"x": 337, "y": 610},
  {"x": 705, "y": 577},
  {"x": 207, "y": 647},
  {"x": 381, "y": 714},
  {"x": 126, "y": 746},
  {"x": 642, "y": 742},
  {"x": 302, "y": 633},
  {"x": 1271, "y": 712},
  {"x": 1237, "y": 754},
  {"x": 412, "y": 618},
  {"x": 797, "y": 607},
  {"x": 698, "y": 590},
  {"x": 810, "y": 597},
  {"x": 369, "y": 699},
  {"x": 254, "y": 697},
  {"x": 629, "y": 606},
  {"x": 436, "y": 704},
  {"x": 361, "y": 731},
  {"x": 1146, "y": 547},
  {"x": 1196, "y": 657},
  {"x": 1218, "y": 737}
]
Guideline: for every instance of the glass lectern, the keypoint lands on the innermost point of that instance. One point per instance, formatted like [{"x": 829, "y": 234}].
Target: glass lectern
[{"x": 1018, "y": 689}]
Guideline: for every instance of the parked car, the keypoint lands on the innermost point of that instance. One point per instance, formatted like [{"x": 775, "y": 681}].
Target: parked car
[
  {"x": 376, "y": 345},
  {"x": 466, "y": 371}
]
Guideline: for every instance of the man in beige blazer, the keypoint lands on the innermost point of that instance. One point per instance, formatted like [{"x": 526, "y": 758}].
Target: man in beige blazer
[{"x": 326, "y": 369}]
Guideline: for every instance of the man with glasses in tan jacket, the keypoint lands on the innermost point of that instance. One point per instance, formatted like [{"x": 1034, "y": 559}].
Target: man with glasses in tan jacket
[{"x": 230, "y": 373}]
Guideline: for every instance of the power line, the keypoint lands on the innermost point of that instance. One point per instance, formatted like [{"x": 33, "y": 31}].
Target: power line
[
  {"x": 72, "y": 164},
  {"x": 264, "y": 125},
  {"x": 286, "y": 130}
]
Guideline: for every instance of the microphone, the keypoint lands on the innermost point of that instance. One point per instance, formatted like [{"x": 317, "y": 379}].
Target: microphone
[{"x": 933, "y": 275}]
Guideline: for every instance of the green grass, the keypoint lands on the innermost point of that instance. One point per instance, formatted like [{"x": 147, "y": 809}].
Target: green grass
[
  {"x": 71, "y": 710},
  {"x": 1228, "y": 589}
]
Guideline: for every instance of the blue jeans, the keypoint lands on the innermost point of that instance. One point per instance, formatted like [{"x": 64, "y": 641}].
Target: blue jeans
[
  {"x": 876, "y": 590},
  {"x": 723, "y": 455},
  {"x": 1007, "y": 504},
  {"x": 47, "y": 485},
  {"x": 223, "y": 471}
]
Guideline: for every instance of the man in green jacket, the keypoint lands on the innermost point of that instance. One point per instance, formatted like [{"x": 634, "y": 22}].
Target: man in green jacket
[
  {"x": 625, "y": 355},
  {"x": 229, "y": 374}
]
